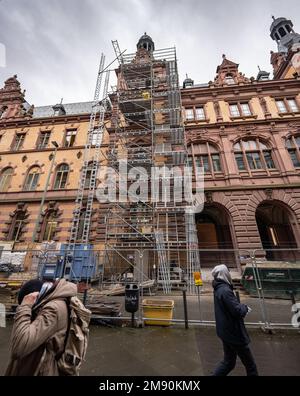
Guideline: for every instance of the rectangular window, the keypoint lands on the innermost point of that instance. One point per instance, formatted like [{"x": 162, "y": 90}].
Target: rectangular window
[
  {"x": 96, "y": 137},
  {"x": 17, "y": 230},
  {"x": 18, "y": 142},
  {"x": 216, "y": 162},
  {"x": 70, "y": 137},
  {"x": 234, "y": 110},
  {"x": 281, "y": 106},
  {"x": 189, "y": 114},
  {"x": 43, "y": 140},
  {"x": 269, "y": 160},
  {"x": 50, "y": 230},
  {"x": 294, "y": 158},
  {"x": 200, "y": 114},
  {"x": 246, "y": 109},
  {"x": 240, "y": 161},
  {"x": 205, "y": 163},
  {"x": 254, "y": 161},
  {"x": 293, "y": 105}
]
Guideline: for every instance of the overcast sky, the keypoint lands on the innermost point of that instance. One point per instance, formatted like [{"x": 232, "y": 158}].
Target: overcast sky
[{"x": 54, "y": 46}]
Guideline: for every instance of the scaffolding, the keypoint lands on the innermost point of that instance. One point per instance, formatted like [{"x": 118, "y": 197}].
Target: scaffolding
[
  {"x": 147, "y": 131},
  {"x": 82, "y": 213}
]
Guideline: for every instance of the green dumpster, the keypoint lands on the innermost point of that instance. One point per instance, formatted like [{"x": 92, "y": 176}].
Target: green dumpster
[{"x": 278, "y": 280}]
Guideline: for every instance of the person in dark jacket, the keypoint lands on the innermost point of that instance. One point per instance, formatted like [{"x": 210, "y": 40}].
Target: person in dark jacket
[{"x": 230, "y": 325}]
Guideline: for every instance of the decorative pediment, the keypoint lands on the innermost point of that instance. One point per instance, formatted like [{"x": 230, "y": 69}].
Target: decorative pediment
[
  {"x": 12, "y": 101},
  {"x": 228, "y": 74}
]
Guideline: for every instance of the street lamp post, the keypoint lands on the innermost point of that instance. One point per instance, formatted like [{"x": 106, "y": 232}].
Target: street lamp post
[{"x": 45, "y": 191}]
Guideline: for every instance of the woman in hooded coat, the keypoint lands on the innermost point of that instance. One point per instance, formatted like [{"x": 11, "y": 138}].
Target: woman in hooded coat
[{"x": 230, "y": 325}]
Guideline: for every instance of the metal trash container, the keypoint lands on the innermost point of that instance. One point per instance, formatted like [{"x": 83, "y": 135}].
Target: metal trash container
[{"x": 132, "y": 292}]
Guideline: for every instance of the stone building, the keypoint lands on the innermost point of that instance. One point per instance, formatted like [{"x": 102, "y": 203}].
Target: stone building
[{"x": 244, "y": 131}]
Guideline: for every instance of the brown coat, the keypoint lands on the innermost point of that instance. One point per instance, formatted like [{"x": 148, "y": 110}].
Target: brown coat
[{"x": 35, "y": 344}]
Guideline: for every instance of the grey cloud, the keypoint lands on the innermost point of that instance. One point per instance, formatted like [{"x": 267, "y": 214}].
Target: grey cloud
[{"x": 54, "y": 45}]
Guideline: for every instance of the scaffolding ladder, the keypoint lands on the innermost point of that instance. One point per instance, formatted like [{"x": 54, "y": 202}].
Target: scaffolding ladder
[{"x": 91, "y": 161}]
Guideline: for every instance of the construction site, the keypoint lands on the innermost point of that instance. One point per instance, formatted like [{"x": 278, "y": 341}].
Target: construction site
[
  {"x": 152, "y": 242},
  {"x": 135, "y": 217}
]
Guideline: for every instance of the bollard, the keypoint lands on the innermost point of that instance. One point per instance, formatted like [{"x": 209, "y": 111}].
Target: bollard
[{"x": 186, "y": 319}]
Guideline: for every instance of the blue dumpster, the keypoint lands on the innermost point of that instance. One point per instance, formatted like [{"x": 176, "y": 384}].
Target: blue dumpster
[{"x": 80, "y": 266}]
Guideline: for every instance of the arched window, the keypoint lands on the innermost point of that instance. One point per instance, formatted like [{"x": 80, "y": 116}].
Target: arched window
[
  {"x": 207, "y": 156},
  {"x": 32, "y": 179},
  {"x": 50, "y": 227},
  {"x": 253, "y": 155},
  {"x": 17, "y": 226},
  {"x": 229, "y": 80},
  {"x": 61, "y": 177},
  {"x": 282, "y": 32},
  {"x": 293, "y": 147},
  {"x": 288, "y": 28},
  {"x": 5, "y": 179}
]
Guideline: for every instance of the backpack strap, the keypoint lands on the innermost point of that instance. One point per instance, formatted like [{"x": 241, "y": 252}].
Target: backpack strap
[{"x": 68, "y": 302}]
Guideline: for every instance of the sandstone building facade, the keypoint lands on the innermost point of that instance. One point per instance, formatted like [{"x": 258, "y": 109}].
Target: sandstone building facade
[{"x": 245, "y": 132}]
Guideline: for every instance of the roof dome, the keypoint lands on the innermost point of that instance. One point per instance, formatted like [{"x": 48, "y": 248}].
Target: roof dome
[
  {"x": 146, "y": 42},
  {"x": 277, "y": 21},
  {"x": 188, "y": 82}
]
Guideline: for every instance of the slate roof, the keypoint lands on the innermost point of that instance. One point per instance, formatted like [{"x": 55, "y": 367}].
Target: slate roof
[{"x": 70, "y": 108}]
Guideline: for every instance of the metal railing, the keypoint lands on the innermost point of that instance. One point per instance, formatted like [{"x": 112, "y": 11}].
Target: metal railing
[{"x": 267, "y": 281}]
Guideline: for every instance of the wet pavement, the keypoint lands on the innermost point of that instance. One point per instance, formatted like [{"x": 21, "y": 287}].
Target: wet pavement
[{"x": 174, "y": 351}]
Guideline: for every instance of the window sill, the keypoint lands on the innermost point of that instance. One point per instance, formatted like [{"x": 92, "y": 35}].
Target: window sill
[
  {"x": 206, "y": 120},
  {"x": 250, "y": 117},
  {"x": 289, "y": 113}
]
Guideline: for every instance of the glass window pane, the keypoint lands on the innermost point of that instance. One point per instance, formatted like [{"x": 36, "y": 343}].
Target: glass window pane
[
  {"x": 289, "y": 143},
  {"x": 240, "y": 161},
  {"x": 237, "y": 147},
  {"x": 293, "y": 105},
  {"x": 269, "y": 160},
  {"x": 298, "y": 141},
  {"x": 205, "y": 162},
  {"x": 281, "y": 106},
  {"x": 5, "y": 179},
  {"x": 189, "y": 114},
  {"x": 254, "y": 161},
  {"x": 216, "y": 162},
  {"x": 245, "y": 109},
  {"x": 229, "y": 80},
  {"x": 263, "y": 146},
  {"x": 234, "y": 111},
  {"x": 294, "y": 158},
  {"x": 198, "y": 162},
  {"x": 200, "y": 115},
  {"x": 212, "y": 149}
]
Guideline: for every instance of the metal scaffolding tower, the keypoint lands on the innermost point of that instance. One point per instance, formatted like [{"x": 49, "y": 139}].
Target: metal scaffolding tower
[
  {"x": 82, "y": 214},
  {"x": 148, "y": 131}
]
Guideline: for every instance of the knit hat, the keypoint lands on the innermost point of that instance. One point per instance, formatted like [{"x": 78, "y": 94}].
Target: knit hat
[{"x": 34, "y": 285}]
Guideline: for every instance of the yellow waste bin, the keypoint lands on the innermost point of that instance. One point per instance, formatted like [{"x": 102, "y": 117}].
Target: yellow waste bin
[{"x": 158, "y": 309}]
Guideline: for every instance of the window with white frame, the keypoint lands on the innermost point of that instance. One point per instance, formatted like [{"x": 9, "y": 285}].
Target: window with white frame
[
  {"x": 32, "y": 179},
  {"x": 287, "y": 105},
  {"x": 240, "y": 109},
  {"x": 5, "y": 179},
  {"x": 43, "y": 140},
  {"x": 189, "y": 114},
  {"x": 70, "y": 137},
  {"x": 200, "y": 113}
]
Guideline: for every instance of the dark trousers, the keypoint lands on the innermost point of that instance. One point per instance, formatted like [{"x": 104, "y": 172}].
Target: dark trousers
[{"x": 230, "y": 354}]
